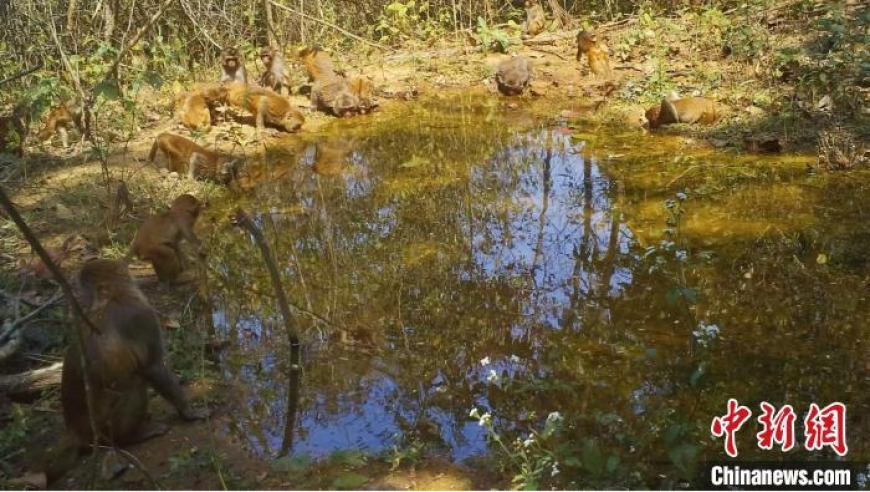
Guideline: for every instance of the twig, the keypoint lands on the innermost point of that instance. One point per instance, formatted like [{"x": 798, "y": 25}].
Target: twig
[
  {"x": 330, "y": 24},
  {"x": 136, "y": 37},
  {"x": 681, "y": 175},
  {"x": 22, "y": 74}
]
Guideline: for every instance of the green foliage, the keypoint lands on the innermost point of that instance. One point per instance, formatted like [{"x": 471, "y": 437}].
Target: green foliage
[
  {"x": 840, "y": 61},
  {"x": 401, "y": 21},
  {"x": 491, "y": 37}
]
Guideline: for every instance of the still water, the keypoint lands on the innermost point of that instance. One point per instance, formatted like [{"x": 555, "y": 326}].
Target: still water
[{"x": 456, "y": 253}]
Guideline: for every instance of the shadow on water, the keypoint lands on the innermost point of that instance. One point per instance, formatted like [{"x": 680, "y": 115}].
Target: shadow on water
[{"x": 456, "y": 254}]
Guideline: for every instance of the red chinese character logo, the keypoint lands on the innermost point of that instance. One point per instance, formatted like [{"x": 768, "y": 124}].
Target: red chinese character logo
[
  {"x": 826, "y": 427},
  {"x": 729, "y": 424},
  {"x": 777, "y": 427}
]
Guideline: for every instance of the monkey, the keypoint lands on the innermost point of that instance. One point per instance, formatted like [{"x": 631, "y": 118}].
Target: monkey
[
  {"x": 61, "y": 119},
  {"x": 317, "y": 63},
  {"x": 13, "y": 130},
  {"x": 159, "y": 238},
  {"x": 266, "y": 107},
  {"x": 536, "y": 20},
  {"x": 183, "y": 154},
  {"x": 687, "y": 110},
  {"x": 275, "y": 75},
  {"x": 361, "y": 87},
  {"x": 513, "y": 75},
  {"x": 124, "y": 356},
  {"x": 596, "y": 54},
  {"x": 192, "y": 111},
  {"x": 233, "y": 67}
]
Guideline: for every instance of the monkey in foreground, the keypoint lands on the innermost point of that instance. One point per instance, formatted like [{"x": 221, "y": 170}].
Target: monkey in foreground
[
  {"x": 267, "y": 107},
  {"x": 596, "y": 54},
  {"x": 185, "y": 156},
  {"x": 687, "y": 110},
  {"x": 159, "y": 239},
  {"x": 536, "y": 20},
  {"x": 513, "y": 75},
  {"x": 232, "y": 66},
  {"x": 124, "y": 357},
  {"x": 62, "y": 118},
  {"x": 275, "y": 75},
  {"x": 13, "y": 130}
]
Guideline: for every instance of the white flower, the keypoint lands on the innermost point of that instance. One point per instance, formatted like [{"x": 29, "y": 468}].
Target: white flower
[
  {"x": 515, "y": 359},
  {"x": 555, "y": 469},
  {"x": 485, "y": 419},
  {"x": 554, "y": 417},
  {"x": 681, "y": 196},
  {"x": 474, "y": 413},
  {"x": 493, "y": 376},
  {"x": 681, "y": 255},
  {"x": 484, "y": 361},
  {"x": 529, "y": 441}
]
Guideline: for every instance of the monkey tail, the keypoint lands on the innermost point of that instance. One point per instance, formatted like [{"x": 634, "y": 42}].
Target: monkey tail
[{"x": 154, "y": 148}]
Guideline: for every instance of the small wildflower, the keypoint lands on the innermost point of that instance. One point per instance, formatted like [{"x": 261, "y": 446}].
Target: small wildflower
[
  {"x": 555, "y": 469},
  {"x": 529, "y": 441},
  {"x": 681, "y": 196},
  {"x": 493, "y": 376},
  {"x": 670, "y": 204},
  {"x": 681, "y": 255},
  {"x": 485, "y": 419},
  {"x": 515, "y": 359},
  {"x": 474, "y": 413},
  {"x": 485, "y": 361},
  {"x": 554, "y": 417}
]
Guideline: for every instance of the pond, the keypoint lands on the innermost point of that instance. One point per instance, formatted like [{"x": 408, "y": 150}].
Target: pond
[{"x": 460, "y": 253}]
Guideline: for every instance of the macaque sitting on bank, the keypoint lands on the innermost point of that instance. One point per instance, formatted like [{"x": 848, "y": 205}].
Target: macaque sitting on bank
[
  {"x": 275, "y": 74},
  {"x": 233, "y": 67},
  {"x": 596, "y": 54},
  {"x": 159, "y": 239},
  {"x": 513, "y": 75},
  {"x": 536, "y": 20},
  {"x": 123, "y": 358}
]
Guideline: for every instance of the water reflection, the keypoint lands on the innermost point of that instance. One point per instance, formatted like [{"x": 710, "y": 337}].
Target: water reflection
[{"x": 458, "y": 263}]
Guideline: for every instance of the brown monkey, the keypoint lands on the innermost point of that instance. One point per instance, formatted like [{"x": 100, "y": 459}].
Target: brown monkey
[
  {"x": 536, "y": 20},
  {"x": 275, "y": 75},
  {"x": 513, "y": 75},
  {"x": 361, "y": 87},
  {"x": 267, "y": 107},
  {"x": 596, "y": 54},
  {"x": 687, "y": 110},
  {"x": 124, "y": 357},
  {"x": 232, "y": 66},
  {"x": 13, "y": 130},
  {"x": 192, "y": 111},
  {"x": 61, "y": 119},
  {"x": 159, "y": 238},
  {"x": 183, "y": 155},
  {"x": 317, "y": 63}
]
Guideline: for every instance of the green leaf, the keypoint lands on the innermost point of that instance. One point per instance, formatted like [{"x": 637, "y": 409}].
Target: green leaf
[
  {"x": 592, "y": 459},
  {"x": 684, "y": 457},
  {"x": 108, "y": 89}
]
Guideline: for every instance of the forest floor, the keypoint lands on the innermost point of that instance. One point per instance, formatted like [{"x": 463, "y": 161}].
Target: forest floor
[{"x": 59, "y": 189}]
